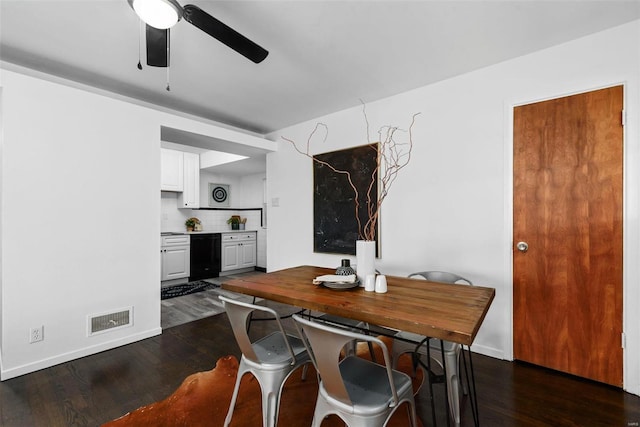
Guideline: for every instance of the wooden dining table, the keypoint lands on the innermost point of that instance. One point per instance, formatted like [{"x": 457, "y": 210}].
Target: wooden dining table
[
  {"x": 445, "y": 311},
  {"x": 449, "y": 312}
]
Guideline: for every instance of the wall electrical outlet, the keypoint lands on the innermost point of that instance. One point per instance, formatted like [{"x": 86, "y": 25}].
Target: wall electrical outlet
[{"x": 37, "y": 334}]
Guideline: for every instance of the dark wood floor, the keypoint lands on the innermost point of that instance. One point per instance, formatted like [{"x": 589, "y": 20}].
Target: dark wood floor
[{"x": 98, "y": 388}]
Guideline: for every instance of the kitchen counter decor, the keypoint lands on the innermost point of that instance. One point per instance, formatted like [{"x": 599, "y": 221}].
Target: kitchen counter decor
[
  {"x": 234, "y": 221},
  {"x": 237, "y": 222},
  {"x": 192, "y": 224}
]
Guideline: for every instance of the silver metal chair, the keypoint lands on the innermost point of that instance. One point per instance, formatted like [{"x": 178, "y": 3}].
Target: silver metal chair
[
  {"x": 354, "y": 325},
  {"x": 451, "y": 350},
  {"x": 270, "y": 359},
  {"x": 362, "y": 393},
  {"x": 350, "y": 324}
]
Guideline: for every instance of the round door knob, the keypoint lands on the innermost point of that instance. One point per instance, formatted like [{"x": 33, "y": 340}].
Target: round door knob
[{"x": 522, "y": 246}]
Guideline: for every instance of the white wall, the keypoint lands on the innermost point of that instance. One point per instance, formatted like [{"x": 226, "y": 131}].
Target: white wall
[
  {"x": 245, "y": 191},
  {"x": 252, "y": 190},
  {"x": 450, "y": 209},
  {"x": 79, "y": 217}
]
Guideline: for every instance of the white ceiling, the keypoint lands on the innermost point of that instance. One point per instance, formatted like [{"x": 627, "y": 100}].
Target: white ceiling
[
  {"x": 254, "y": 162},
  {"x": 325, "y": 56}
]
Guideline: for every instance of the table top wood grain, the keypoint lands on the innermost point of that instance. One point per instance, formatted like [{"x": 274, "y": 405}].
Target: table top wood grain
[{"x": 450, "y": 312}]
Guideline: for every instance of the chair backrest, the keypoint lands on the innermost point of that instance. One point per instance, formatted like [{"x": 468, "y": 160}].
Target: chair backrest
[
  {"x": 238, "y": 313},
  {"x": 324, "y": 344},
  {"x": 441, "y": 276}
]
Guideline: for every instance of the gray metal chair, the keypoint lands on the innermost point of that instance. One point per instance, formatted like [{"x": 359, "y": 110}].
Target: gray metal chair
[
  {"x": 362, "y": 393},
  {"x": 270, "y": 359},
  {"x": 354, "y": 325},
  {"x": 451, "y": 350},
  {"x": 350, "y": 324}
]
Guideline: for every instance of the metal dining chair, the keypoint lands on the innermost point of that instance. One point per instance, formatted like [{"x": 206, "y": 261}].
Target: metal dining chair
[
  {"x": 352, "y": 324},
  {"x": 361, "y": 392},
  {"x": 270, "y": 359},
  {"x": 406, "y": 344}
]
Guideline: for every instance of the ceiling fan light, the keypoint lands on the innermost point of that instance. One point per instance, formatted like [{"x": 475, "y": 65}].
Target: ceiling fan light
[{"x": 160, "y": 14}]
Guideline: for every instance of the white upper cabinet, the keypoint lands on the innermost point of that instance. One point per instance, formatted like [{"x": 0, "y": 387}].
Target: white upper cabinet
[
  {"x": 180, "y": 172},
  {"x": 171, "y": 170},
  {"x": 190, "y": 196}
]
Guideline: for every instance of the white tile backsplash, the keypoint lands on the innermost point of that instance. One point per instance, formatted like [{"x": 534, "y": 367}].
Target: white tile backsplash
[{"x": 172, "y": 219}]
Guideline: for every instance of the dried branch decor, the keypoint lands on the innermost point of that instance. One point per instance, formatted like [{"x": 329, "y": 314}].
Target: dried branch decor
[{"x": 391, "y": 157}]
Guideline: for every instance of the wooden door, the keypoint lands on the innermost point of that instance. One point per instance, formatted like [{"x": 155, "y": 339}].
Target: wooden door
[{"x": 567, "y": 287}]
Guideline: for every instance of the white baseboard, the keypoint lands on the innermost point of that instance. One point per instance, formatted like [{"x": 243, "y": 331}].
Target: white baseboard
[
  {"x": 66, "y": 357},
  {"x": 488, "y": 351}
]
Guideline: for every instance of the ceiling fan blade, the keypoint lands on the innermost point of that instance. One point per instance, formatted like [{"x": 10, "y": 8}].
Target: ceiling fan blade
[
  {"x": 157, "y": 47},
  {"x": 224, "y": 33}
]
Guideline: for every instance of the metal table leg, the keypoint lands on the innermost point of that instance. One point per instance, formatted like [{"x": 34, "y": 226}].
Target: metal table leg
[
  {"x": 433, "y": 378},
  {"x": 471, "y": 386}
]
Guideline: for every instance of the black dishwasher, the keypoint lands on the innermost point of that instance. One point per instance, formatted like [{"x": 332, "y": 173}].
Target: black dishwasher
[{"x": 205, "y": 256}]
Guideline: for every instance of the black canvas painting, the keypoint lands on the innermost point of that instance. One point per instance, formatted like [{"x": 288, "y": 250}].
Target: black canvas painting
[{"x": 334, "y": 223}]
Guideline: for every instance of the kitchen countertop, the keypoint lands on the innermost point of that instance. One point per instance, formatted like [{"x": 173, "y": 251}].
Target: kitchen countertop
[{"x": 174, "y": 233}]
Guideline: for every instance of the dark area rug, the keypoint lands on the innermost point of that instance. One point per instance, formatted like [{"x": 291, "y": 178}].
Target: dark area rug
[{"x": 185, "y": 289}]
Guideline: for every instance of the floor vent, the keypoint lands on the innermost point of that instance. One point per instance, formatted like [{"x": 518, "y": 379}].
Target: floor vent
[{"x": 109, "y": 321}]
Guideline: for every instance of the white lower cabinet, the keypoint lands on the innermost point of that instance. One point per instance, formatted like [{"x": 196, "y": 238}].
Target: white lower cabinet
[
  {"x": 230, "y": 257},
  {"x": 248, "y": 257},
  {"x": 175, "y": 257},
  {"x": 238, "y": 250}
]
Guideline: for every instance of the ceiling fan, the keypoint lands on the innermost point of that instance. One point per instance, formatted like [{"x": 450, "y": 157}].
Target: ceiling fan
[{"x": 160, "y": 15}]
